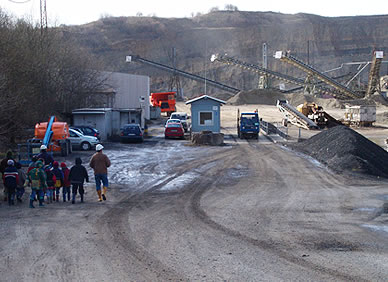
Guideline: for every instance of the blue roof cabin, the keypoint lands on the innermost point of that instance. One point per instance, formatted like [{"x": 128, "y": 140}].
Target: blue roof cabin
[{"x": 205, "y": 114}]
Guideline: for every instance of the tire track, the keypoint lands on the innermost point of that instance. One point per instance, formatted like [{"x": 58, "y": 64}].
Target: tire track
[
  {"x": 116, "y": 232},
  {"x": 268, "y": 244}
]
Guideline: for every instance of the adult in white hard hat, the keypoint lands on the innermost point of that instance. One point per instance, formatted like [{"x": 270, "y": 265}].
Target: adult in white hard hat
[
  {"x": 100, "y": 163},
  {"x": 46, "y": 157}
]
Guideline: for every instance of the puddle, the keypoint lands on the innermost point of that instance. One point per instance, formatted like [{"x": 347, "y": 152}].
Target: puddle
[
  {"x": 336, "y": 246},
  {"x": 238, "y": 172},
  {"x": 383, "y": 197},
  {"x": 140, "y": 168},
  {"x": 371, "y": 210},
  {"x": 180, "y": 181},
  {"x": 206, "y": 167},
  {"x": 378, "y": 228}
]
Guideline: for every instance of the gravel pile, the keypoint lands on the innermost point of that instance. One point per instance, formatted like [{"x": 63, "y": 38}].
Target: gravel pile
[
  {"x": 270, "y": 96},
  {"x": 344, "y": 150},
  {"x": 256, "y": 96}
]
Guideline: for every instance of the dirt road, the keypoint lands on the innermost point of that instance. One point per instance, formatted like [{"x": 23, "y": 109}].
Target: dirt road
[{"x": 247, "y": 211}]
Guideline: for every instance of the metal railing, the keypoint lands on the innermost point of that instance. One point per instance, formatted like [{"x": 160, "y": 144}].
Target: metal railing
[{"x": 269, "y": 129}]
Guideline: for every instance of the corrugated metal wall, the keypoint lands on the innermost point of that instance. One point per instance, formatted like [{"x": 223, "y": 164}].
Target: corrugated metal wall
[{"x": 129, "y": 89}]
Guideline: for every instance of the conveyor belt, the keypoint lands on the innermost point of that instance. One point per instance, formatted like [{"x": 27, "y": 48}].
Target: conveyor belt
[
  {"x": 343, "y": 91},
  {"x": 374, "y": 74},
  {"x": 294, "y": 116},
  {"x": 183, "y": 73},
  {"x": 283, "y": 77}
]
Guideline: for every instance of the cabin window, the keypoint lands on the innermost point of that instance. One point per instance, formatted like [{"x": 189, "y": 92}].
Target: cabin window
[{"x": 206, "y": 118}]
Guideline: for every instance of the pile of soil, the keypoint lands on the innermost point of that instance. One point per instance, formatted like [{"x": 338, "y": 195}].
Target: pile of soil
[
  {"x": 344, "y": 150},
  {"x": 269, "y": 97},
  {"x": 207, "y": 138},
  {"x": 256, "y": 96}
]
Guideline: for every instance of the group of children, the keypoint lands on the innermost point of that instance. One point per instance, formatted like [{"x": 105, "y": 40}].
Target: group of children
[{"x": 45, "y": 181}]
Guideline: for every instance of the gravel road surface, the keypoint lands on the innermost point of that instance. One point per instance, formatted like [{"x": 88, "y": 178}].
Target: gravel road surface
[{"x": 247, "y": 211}]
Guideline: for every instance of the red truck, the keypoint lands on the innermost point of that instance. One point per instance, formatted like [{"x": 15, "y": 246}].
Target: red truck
[{"x": 165, "y": 101}]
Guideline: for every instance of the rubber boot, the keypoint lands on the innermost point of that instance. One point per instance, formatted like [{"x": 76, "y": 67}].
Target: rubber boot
[
  {"x": 32, "y": 204},
  {"x": 104, "y": 193},
  {"x": 99, "y": 195},
  {"x": 41, "y": 203},
  {"x": 82, "y": 198}
]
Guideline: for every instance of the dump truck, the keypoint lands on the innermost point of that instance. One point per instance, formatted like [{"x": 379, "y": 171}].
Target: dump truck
[
  {"x": 248, "y": 124},
  {"x": 360, "y": 115},
  {"x": 165, "y": 101},
  {"x": 53, "y": 134}
]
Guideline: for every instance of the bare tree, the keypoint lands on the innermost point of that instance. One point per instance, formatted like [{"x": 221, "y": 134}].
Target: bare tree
[
  {"x": 40, "y": 75},
  {"x": 230, "y": 7}
]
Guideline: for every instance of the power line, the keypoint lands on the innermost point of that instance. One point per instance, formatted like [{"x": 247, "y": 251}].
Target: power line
[{"x": 19, "y": 2}]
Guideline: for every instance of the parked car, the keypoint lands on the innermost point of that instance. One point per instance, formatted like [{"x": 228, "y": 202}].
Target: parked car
[
  {"x": 87, "y": 130},
  {"x": 174, "y": 130},
  {"x": 172, "y": 121},
  {"x": 80, "y": 141},
  {"x": 183, "y": 117},
  {"x": 131, "y": 132}
]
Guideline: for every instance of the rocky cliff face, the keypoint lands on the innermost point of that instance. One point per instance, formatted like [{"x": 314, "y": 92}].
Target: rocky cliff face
[{"x": 325, "y": 42}]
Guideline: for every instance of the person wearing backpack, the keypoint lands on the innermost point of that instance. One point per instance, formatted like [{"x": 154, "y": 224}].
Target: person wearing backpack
[
  {"x": 22, "y": 179},
  {"x": 37, "y": 180},
  {"x": 50, "y": 180},
  {"x": 58, "y": 182}
]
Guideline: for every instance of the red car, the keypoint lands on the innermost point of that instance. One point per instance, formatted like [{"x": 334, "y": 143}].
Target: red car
[{"x": 174, "y": 130}]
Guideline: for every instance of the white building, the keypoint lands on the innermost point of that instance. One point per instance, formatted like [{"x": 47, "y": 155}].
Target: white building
[{"x": 124, "y": 99}]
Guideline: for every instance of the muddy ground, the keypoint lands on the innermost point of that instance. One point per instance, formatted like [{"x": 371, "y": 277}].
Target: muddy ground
[{"x": 247, "y": 211}]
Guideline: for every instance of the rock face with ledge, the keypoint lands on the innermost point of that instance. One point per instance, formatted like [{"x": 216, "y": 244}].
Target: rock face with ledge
[
  {"x": 207, "y": 138},
  {"x": 330, "y": 41}
]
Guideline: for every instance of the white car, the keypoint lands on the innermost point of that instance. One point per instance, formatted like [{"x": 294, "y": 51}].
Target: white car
[
  {"x": 83, "y": 142},
  {"x": 172, "y": 120},
  {"x": 183, "y": 117}
]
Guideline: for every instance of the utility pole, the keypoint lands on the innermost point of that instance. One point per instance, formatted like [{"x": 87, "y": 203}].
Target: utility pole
[
  {"x": 43, "y": 16},
  {"x": 263, "y": 79},
  {"x": 175, "y": 80}
]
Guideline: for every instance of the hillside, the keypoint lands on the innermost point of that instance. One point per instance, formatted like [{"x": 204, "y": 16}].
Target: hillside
[{"x": 330, "y": 41}]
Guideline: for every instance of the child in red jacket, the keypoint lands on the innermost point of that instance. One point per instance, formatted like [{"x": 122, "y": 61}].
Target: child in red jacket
[{"x": 66, "y": 182}]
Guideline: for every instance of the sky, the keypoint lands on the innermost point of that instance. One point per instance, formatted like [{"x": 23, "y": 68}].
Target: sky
[{"x": 75, "y": 12}]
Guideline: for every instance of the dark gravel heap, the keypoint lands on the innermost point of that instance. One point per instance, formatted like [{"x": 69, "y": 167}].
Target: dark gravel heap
[{"x": 344, "y": 150}]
